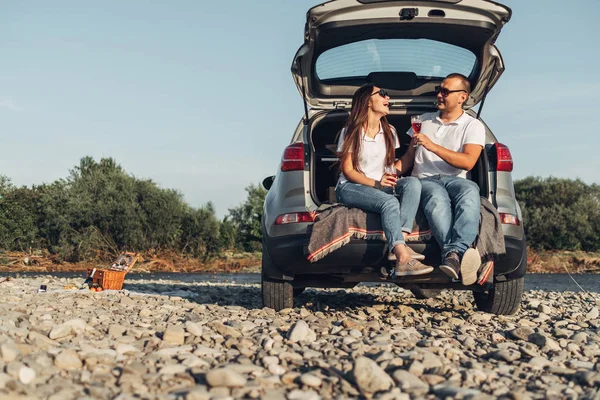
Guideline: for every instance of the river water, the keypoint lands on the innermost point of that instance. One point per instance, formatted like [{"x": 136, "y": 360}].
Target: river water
[{"x": 545, "y": 282}]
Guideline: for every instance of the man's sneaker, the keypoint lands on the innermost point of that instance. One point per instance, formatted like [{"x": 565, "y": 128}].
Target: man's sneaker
[
  {"x": 451, "y": 265},
  {"x": 469, "y": 265},
  {"x": 413, "y": 254},
  {"x": 413, "y": 267}
]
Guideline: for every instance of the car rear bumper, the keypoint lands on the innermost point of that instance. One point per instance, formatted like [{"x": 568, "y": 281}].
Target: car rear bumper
[{"x": 287, "y": 258}]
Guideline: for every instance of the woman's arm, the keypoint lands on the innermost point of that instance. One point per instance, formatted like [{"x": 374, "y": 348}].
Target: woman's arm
[{"x": 358, "y": 177}]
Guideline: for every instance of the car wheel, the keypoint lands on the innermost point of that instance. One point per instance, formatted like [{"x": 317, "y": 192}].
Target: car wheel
[
  {"x": 277, "y": 294},
  {"x": 503, "y": 298},
  {"x": 422, "y": 293}
]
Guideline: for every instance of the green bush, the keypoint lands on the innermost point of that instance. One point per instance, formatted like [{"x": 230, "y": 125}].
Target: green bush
[
  {"x": 99, "y": 211},
  {"x": 560, "y": 214}
]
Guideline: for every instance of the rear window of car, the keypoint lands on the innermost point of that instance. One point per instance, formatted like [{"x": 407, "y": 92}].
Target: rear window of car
[{"x": 427, "y": 58}]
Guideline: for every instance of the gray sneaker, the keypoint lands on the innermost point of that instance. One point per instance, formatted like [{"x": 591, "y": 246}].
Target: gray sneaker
[
  {"x": 469, "y": 265},
  {"x": 451, "y": 265},
  {"x": 413, "y": 267}
]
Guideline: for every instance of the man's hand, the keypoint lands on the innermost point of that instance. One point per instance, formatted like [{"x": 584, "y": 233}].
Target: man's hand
[{"x": 423, "y": 140}]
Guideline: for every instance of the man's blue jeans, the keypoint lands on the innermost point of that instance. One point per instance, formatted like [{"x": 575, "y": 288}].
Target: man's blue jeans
[
  {"x": 451, "y": 205},
  {"x": 397, "y": 213}
]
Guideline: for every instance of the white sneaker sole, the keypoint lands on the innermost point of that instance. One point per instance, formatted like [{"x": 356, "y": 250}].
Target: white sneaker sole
[
  {"x": 415, "y": 256},
  {"x": 427, "y": 270},
  {"x": 469, "y": 266}
]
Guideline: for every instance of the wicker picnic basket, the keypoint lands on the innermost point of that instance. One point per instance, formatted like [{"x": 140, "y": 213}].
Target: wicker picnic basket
[{"x": 113, "y": 277}]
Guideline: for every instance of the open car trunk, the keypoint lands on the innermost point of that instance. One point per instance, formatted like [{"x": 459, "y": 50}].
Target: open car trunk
[{"x": 325, "y": 166}]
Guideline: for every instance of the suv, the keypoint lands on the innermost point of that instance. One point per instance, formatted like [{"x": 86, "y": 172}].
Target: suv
[{"x": 407, "y": 48}]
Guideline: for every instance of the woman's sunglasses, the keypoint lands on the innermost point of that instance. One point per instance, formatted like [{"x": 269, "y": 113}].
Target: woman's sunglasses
[
  {"x": 380, "y": 92},
  {"x": 445, "y": 92}
]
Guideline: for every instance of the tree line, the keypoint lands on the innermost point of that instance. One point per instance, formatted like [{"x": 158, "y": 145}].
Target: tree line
[{"x": 100, "y": 210}]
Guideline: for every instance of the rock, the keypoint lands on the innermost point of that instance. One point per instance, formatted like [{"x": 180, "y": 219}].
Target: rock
[
  {"x": 444, "y": 390},
  {"x": 544, "y": 341},
  {"x": 522, "y": 332},
  {"x": 9, "y": 352},
  {"x": 506, "y": 355},
  {"x": 26, "y": 375},
  {"x": 297, "y": 394},
  {"x": 173, "y": 369},
  {"x": 123, "y": 349},
  {"x": 71, "y": 327},
  {"x": 539, "y": 362},
  {"x": 68, "y": 359},
  {"x": 145, "y": 312},
  {"x": 174, "y": 335},
  {"x": 593, "y": 314},
  {"x": 310, "y": 380},
  {"x": 301, "y": 332},
  {"x": 225, "y": 377},
  {"x": 543, "y": 308},
  {"x": 115, "y": 331},
  {"x": 409, "y": 382},
  {"x": 226, "y": 330},
  {"x": 370, "y": 377},
  {"x": 276, "y": 369},
  {"x": 194, "y": 328}
]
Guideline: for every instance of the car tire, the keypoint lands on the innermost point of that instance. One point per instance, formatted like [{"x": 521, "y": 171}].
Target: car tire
[
  {"x": 277, "y": 294},
  {"x": 503, "y": 298},
  {"x": 422, "y": 293}
]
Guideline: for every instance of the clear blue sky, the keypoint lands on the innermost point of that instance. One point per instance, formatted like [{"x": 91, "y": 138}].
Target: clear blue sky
[{"x": 198, "y": 95}]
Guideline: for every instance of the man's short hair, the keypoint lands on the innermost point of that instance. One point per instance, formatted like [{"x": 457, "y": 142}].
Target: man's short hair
[{"x": 464, "y": 82}]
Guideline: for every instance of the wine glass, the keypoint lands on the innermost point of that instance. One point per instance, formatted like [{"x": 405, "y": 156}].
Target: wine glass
[
  {"x": 391, "y": 170},
  {"x": 416, "y": 123}
]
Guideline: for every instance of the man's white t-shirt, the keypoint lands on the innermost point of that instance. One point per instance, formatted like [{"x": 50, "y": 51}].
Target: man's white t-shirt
[
  {"x": 372, "y": 154},
  {"x": 453, "y": 136}
]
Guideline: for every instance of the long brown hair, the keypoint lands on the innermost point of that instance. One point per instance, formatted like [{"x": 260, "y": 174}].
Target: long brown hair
[{"x": 354, "y": 125}]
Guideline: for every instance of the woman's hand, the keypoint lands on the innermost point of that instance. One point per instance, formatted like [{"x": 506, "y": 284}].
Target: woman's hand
[
  {"x": 423, "y": 140},
  {"x": 387, "y": 181}
]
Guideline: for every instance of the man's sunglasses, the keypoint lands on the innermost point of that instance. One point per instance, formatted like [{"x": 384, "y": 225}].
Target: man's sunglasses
[
  {"x": 380, "y": 92},
  {"x": 445, "y": 92}
]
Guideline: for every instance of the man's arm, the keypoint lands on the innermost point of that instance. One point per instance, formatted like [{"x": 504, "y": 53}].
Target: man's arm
[{"x": 464, "y": 160}]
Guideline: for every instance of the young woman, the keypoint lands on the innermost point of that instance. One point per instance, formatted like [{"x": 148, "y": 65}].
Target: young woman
[{"x": 366, "y": 146}]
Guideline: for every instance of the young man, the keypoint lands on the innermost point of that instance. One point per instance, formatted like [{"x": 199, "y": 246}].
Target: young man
[{"x": 448, "y": 146}]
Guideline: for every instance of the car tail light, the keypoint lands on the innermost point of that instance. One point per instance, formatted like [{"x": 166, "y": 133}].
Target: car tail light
[
  {"x": 294, "y": 218},
  {"x": 293, "y": 158},
  {"x": 509, "y": 219},
  {"x": 504, "y": 161}
]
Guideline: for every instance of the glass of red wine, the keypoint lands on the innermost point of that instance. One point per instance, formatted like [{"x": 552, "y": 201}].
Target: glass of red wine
[
  {"x": 416, "y": 123},
  {"x": 391, "y": 170}
]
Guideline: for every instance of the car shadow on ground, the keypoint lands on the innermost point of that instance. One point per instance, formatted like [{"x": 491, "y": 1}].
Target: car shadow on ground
[{"x": 326, "y": 301}]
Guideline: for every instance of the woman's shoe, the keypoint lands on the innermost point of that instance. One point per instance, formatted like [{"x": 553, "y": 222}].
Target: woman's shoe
[
  {"x": 413, "y": 254},
  {"x": 411, "y": 268}
]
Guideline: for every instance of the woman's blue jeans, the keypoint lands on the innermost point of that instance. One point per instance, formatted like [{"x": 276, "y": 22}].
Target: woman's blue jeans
[{"x": 397, "y": 213}]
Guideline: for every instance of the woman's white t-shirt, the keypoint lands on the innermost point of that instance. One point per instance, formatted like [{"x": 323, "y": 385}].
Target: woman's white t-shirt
[{"x": 372, "y": 154}]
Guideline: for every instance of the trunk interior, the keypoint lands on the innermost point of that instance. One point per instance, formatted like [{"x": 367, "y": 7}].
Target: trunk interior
[{"x": 325, "y": 166}]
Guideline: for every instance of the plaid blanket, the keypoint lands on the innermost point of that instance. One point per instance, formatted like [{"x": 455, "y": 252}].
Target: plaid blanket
[{"x": 336, "y": 224}]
